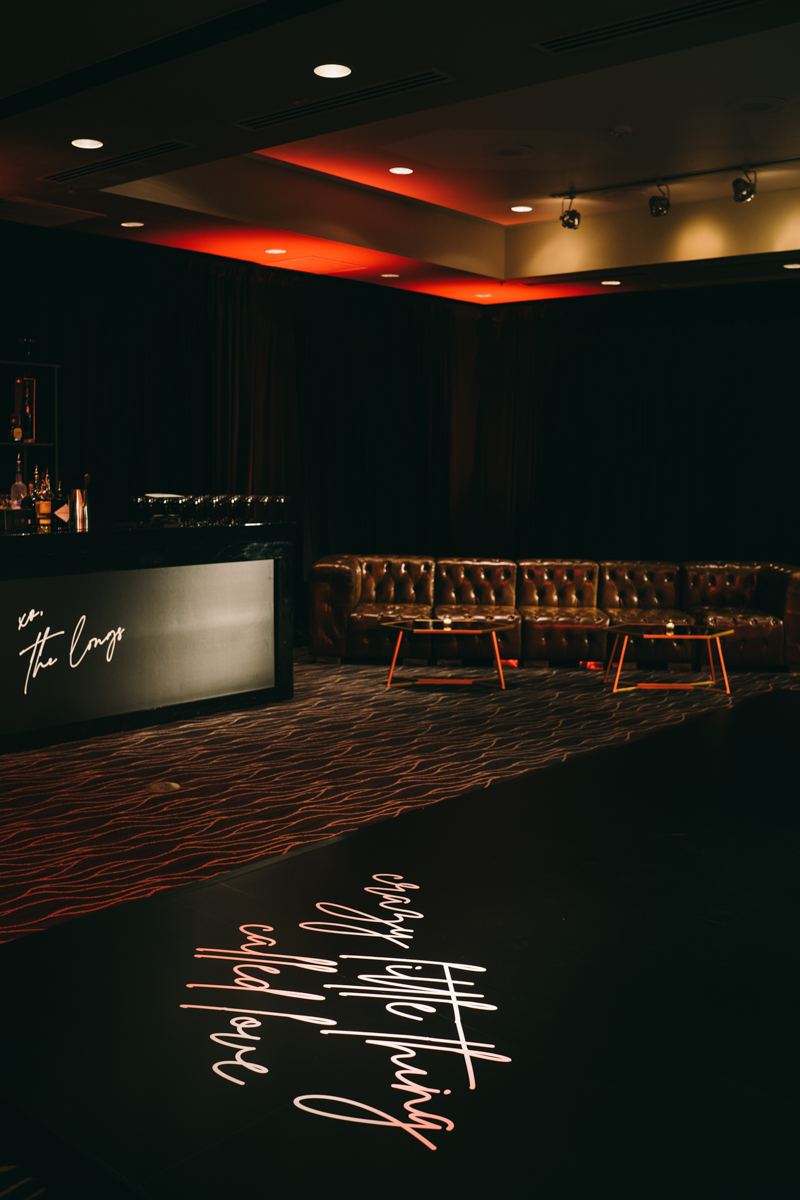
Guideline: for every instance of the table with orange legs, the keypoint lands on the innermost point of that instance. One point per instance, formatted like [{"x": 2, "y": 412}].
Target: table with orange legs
[
  {"x": 656, "y": 632},
  {"x": 485, "y": 628}
]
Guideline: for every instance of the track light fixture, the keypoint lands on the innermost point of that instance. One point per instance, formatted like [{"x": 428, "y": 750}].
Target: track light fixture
[
  {"x": 570, "y": 217},
  {"x": 744, "y": 189},
  {"x": 659, "y": 205}
]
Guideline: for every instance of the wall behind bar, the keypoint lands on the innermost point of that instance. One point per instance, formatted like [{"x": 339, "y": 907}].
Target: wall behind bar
[{"x": 660, "y": 424}]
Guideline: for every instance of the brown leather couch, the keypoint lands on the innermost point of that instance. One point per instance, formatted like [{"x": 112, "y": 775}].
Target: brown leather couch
[
  {"x": 473, "y": 587},
  {"x": 645, "y": 593},
  {"x": 351, "y": 594},
  {"x": 750, "y": 599},
  {"x": 561, "y": 621},
  {"x": 554, "y": 610}
]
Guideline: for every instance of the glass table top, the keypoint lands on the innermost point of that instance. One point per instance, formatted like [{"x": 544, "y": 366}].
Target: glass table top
[
  {"x": 451, "y": 625},
  {"x": 656, "y": 629}
]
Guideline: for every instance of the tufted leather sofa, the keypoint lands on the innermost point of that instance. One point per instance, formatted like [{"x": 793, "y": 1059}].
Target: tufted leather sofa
[
  {"x": 471, "y": 587},
  {"x": 351, "y": 594},
  {"x": 553, "y": 610},
  {"x": 558, "y": 605},
  {"x": 746, "y": 597},
  {"x": 778, "y": 592},
  {"x": 646, "y": 593}
]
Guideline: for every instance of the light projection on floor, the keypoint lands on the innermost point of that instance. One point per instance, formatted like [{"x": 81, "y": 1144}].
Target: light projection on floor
[{"x": 408, "y": 989}]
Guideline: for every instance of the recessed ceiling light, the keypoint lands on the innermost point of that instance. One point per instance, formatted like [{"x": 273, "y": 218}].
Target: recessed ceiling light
[
  {"x": 332, "y": 71},
  {"x": 131, "y": 224},
  {"x": 87, "y": 144},
  {"x": 400, "y": 171},
  {"x": 791, "y": 266},
  {"x": 274, "y": 251},
  {"x": 521, "y": 208},
  {"x": 758, "y": 106},
  {"x": 389, "y": 275},
  {"x": 610, "y": 282},
  {"x": 483, "y": 295}
]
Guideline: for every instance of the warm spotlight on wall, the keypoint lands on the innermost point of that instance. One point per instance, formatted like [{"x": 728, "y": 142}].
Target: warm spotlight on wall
[
  {"x": 570, "y": 217},
  {"x": 744, "y": 189},
  {"x": 659, "y": 205}
]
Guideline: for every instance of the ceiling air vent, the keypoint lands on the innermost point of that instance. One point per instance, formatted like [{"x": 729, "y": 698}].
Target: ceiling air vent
[
  {"x": 378, "y": 91},
  {"x": 121, "y": 160},
  {"x": 653, "y": 21}
]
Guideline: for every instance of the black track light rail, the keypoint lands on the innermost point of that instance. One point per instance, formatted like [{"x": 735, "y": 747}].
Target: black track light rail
[{"x": 618, "y": 187}]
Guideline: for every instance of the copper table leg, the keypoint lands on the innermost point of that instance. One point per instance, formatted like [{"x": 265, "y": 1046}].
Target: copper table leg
[
  {"x": 722, "y": 664},
  {"x": 394, "y": 660},
  {"x": 498, "y": 664},
  {"x": 711, "y": 661},
  {"x": 611, "y": 659},
  {"x": 619, "y": 664}
]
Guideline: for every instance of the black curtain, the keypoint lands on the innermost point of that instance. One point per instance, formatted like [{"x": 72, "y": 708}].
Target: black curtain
[{"x": 646, "y": 424}]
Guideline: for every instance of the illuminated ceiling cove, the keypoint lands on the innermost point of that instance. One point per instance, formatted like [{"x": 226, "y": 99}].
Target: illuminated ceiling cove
[{"x": 217, "y": 136}]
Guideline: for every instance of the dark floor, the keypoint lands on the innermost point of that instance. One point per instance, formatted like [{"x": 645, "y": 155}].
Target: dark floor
[
  {"x": 91, "y": 824},
  {"x": 636, "y": 912}
]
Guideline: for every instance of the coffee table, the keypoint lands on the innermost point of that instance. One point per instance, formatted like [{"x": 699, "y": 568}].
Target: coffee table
[
  {"x": 667, "y": 631},
  {"x": 458, "y": 627}
]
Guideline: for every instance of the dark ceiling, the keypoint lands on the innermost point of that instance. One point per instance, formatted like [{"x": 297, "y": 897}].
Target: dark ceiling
[{"x": 218, "y": 136}]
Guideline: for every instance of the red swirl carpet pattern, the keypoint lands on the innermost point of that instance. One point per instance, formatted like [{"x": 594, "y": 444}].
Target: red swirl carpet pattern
[{"x": 93, "y": 823}]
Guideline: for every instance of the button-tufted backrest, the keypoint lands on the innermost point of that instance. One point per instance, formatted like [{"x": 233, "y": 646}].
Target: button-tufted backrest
[
  {"x": 565, "y": 584},
  {"x": 638, "y": 585},
  {"x": 720, "y": 585},
  {"x": 476, "y": 581},
  {"x": 777, "y": 589},
  {"x": 396, "y": 579}
]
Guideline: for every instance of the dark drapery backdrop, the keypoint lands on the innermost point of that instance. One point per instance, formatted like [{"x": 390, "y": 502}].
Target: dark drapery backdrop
[{"x": 661, "y": 424}]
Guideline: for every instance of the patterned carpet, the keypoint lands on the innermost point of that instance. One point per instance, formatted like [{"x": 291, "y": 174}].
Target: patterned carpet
[{"x": 89, "y": 824}]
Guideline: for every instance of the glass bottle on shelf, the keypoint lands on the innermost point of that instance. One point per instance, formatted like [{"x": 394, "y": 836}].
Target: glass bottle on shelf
[
  {"x": 16, "y": 429},
  {"x": 28, "y": 504},
  {"x": 44, "y": 504},
  {"x": 18, "y": 490},
  {"x": 60, "y": 518}
]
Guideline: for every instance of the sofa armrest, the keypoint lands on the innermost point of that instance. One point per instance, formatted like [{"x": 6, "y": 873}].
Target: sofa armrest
[
  {"x": 334, "y": 585},
  {"x": 778, "y": 593}
]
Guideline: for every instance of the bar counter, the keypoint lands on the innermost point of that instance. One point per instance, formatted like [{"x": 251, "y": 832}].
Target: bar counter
[{"x": 126, "y": 626}]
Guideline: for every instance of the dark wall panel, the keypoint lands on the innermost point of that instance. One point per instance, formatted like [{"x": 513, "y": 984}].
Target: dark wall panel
[{"x": 661, "y": 424}]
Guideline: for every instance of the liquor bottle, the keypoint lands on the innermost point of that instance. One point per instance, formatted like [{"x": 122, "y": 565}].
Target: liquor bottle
[
  {"x": 18, "y": 490},
  {"x": 16, "y": 429},
  {"x": 60, "y": 510},
  {"x": 44, "y": 505},
  {"x": 28, "y": 504}
]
